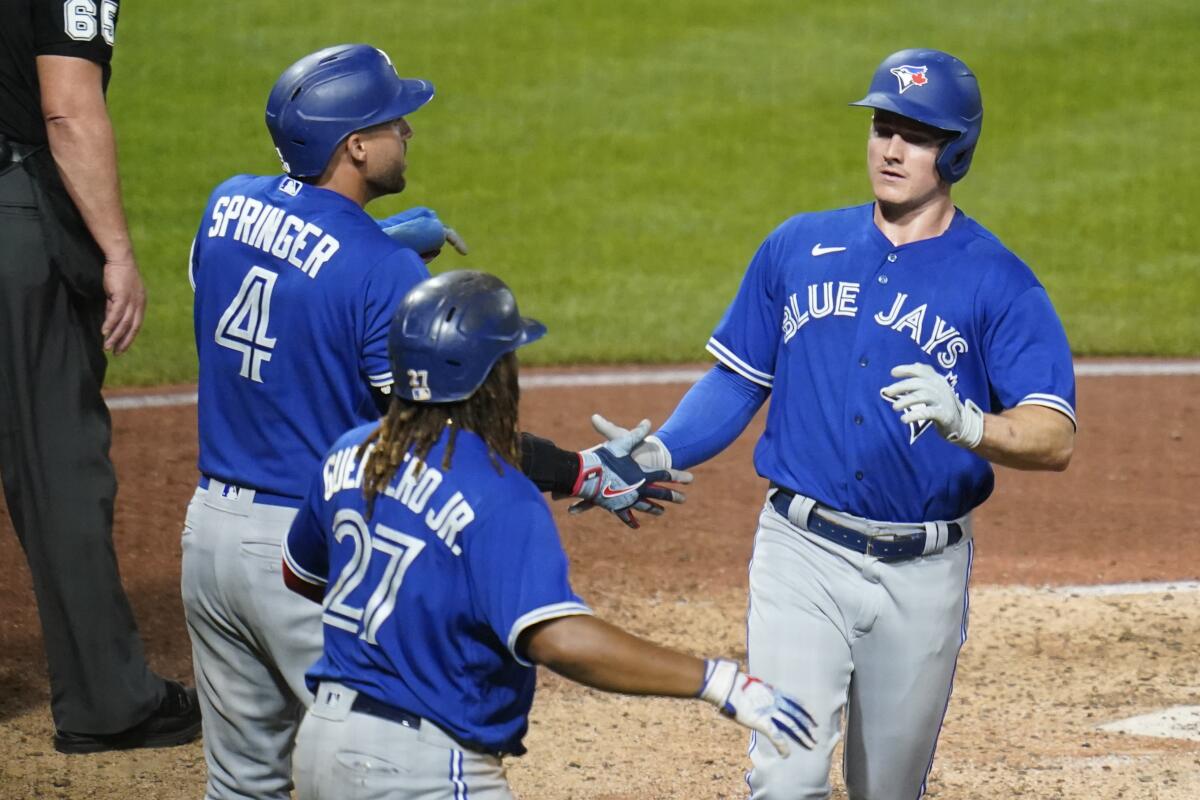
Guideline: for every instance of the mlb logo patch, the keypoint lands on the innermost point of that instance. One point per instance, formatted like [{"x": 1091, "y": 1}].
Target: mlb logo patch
[
  {"x": 910, "y": 76},
  {"x": 291, "y": 186}
]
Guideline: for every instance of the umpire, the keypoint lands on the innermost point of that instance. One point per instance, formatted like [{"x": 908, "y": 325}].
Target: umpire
[{"x": 70, "y": 289}]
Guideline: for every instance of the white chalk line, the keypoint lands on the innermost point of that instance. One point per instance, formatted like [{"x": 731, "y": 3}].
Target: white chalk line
[
  {"x": 1126, "y": 589},
  {"x": 1101, "y": 590},
  {"x": 550, "y": 380}
]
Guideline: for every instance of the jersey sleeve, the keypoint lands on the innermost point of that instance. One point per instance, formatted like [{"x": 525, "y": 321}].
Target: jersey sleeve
[
  {"x": 747, "y": 337},
  {"x": 80, "y": 30},
  {"x": 306, "y": 546},
  {"x": 1028, "y": 357},
  {"x": 519, "y": 572},
  {"x": 386, "y": 284}
]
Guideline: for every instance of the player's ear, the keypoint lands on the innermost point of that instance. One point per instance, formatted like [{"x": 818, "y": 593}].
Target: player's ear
[{"x": 355, "y": 148}]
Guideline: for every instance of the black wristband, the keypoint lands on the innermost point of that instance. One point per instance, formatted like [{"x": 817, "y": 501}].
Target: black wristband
[{"x": 551, "y": 468}]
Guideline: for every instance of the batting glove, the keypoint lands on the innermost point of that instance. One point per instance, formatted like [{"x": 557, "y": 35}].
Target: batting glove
[
  {"x": 420, "y": 229},
  {"x": 926, "y": 394},
  {"x": 611, "y": 479},
  {"x": 650, "y": 452},
  {"x": 757, "y": 705}
]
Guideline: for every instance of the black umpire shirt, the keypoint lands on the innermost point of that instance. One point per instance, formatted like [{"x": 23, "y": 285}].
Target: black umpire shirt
[{"x": 31, "y": 28}]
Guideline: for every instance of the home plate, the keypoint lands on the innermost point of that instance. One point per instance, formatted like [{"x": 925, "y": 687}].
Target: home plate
[{"x": 1178, "y": 722}]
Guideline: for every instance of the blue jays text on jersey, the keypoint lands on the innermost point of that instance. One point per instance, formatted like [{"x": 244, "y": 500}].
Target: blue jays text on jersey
[
  {"x": 426, "y": 599},
  {"x": 828, "y": 306},
  {"x": 295, "y": 290}
]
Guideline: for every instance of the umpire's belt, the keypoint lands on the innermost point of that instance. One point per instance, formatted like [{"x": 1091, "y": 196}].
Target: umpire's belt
[
  {"x": 885, "y": 542},
  {"x": 234, "y": 492},
  {"x": 15, "y": 152}
]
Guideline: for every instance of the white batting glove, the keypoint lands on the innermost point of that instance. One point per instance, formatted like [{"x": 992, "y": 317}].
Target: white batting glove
[
  {"x": 611, "y": 479},
  {"x": 757, "y": 705},
  {"x": 649, "y": 451},
  {"x": 925, "y": 394}
]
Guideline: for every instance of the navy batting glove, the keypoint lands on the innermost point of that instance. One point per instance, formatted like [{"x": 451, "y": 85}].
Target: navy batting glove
[
  {"x": 420, "y": 229},
  {"x": 611, "y": 479}
]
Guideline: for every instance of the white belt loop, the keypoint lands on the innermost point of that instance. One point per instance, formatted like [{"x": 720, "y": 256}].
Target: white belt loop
[
  {"x": 799, "y": 509},
  {"x": 333, "y": 701},
  {"x": 937, "y": 535}
]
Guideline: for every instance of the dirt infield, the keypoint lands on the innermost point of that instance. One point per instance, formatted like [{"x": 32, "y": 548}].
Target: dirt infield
[{"x": 1041, "y": 670}]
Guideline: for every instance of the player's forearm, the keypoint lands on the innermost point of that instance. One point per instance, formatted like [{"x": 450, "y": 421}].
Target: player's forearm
[
  {"x": 593, "y": 652},
  {"x": 84, "y": 148},
  {"x": 551, "y": 468},
  {"x": 1028, "y": 437},
  {"x": 710, "y": 416}
]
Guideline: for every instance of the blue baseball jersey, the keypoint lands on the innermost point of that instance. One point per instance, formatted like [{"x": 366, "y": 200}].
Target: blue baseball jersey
[
  {"x": 828, "y": 306},
  {"x": 425, "y": 601},
  {"x": 295, "y": 289}
]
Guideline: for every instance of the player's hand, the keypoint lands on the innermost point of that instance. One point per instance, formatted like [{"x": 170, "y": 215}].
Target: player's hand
[
  {"x": 925, "y": 394},
  {"x": 611, "y": 479},
  {"x": 124, "y": 304},
  {"x": 648, "y": 451},
  {"x": 757, "y": 705},
  {"x": 420, "y": 229}
]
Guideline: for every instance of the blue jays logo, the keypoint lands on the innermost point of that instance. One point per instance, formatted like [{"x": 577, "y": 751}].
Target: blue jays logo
[{"x": 910, "y": 76}]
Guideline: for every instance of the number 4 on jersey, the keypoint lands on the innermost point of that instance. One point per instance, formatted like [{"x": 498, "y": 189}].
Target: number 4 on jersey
[{"x": 243, "y": 326}]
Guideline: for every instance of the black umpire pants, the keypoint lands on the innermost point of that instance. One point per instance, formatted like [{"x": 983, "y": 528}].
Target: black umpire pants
[{"x": 58, "y": 479}]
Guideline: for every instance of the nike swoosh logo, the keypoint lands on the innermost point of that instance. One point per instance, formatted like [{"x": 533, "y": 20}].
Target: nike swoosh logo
[
  {"x": 820, "y": 251},
  {"x": 609, "y": 494}
]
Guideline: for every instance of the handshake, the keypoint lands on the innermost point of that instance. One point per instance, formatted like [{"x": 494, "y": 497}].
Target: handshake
[{"x": 419, "y": 229}]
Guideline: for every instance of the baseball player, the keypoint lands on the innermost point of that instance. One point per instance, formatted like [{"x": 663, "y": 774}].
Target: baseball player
[
  {"x": 904, "y": 348},
  {"x": 295, "y": 288},
  {"x": 443, "y": 581}
]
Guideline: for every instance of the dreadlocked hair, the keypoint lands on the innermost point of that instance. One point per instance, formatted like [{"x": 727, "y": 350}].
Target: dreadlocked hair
[{"x": 491, "y": 413}]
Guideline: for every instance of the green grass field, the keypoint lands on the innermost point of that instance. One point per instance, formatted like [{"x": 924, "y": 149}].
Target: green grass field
[{"x": 618, "y": 161}]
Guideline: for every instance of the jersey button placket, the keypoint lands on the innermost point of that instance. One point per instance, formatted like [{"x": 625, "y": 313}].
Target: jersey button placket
[{"x": 891, "y": 259}]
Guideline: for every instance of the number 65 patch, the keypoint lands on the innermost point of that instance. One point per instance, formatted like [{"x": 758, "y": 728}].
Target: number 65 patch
[
  {"x": 418, "y": 381},
  {"x": 80, "y": 20}
]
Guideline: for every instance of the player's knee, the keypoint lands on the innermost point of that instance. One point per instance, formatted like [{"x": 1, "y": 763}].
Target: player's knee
[{"x": 803, "y": 775}]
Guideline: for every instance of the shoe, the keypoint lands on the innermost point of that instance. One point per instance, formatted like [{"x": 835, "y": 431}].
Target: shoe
[{"x": 176, "y": 721}]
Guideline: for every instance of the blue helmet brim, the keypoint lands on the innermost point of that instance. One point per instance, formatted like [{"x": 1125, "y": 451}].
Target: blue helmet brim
[
  {"x": 886, "y": 102},
  {"x": 531, "y": 331},
  {"x": 411, "y": 94}
]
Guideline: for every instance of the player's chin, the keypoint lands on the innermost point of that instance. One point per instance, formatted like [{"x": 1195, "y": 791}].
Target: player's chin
[
  {"x": 391, "y": 183},
  {"x": 891, "y": 189}
]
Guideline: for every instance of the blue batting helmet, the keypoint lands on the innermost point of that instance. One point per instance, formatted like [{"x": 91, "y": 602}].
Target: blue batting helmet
[
  {"x": 937, "y": 89},
  {"x": 448, "y": 333},
  {"x": 327, "y": 95}
]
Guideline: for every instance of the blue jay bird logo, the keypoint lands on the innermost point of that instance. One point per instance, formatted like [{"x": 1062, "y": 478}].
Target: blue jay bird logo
[{"x": 910, "y": 76}]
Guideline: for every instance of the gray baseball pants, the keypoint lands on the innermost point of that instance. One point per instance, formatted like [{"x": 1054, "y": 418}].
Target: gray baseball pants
[
  {"x": 252, "y": 640},
  {"x": 844, "y": 632},
  {"x": 343, "y": 754}
]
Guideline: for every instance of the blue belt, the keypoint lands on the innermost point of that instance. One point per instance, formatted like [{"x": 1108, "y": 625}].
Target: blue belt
[
  {"x": 265, "y": 498},
  {"x": 897, "y": 548}
]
